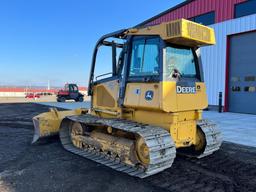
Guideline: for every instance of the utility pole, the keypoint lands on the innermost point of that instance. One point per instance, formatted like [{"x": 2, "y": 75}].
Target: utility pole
[{"x": 49, "y": 85}]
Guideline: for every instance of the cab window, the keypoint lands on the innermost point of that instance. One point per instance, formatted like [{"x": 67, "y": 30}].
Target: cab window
[
  {"x": 179, "y": 63},
  {"x": 66, "y": 88},
  {"x": 104, "y": 69},
  {"x": 75, "y": 89},
  {"x": 144, "y": 57}
]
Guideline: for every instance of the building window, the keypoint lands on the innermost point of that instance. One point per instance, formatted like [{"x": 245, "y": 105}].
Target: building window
[
  {"x": 246, "y": 8},
  {"x": 236, "y": 89},
  {"x": 250, "y": 89},
  {"x": 205, "y": 19}
]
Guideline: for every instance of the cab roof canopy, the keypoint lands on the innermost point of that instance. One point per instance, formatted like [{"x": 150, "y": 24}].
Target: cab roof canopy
[{"x": 181, "y": 32}]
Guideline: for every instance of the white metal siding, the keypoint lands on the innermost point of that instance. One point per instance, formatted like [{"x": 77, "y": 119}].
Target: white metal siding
[
  {"x": 12, "y": 94},
  {"x": 214, "y": 57}
]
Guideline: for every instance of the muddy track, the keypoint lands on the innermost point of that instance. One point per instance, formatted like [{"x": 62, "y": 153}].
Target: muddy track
[{"x": 48, "y": 167}]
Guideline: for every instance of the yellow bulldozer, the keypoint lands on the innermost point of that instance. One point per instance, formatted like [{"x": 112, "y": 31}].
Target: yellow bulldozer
[{"x": 148, "y": 108}]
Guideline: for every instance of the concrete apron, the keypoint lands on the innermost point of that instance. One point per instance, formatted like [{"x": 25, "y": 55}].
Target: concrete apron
[{"x": 236, "y": 127}]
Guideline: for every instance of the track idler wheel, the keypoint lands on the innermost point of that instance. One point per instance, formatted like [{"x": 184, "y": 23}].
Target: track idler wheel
[
  {"x": 198, "y": 148},
  {"x": 142, "y": 151},
  {"x": 201, "y": 140},
  {"x": 76, "y": 130}
]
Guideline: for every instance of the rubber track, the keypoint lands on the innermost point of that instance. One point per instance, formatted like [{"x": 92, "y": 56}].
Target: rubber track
[{"x": 161, "y": 146}]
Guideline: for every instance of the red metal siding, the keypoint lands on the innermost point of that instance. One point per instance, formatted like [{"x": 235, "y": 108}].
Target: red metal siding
[{"x": 224, "y": 10}]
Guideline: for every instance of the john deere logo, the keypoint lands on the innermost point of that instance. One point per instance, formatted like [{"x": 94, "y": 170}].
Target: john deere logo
[{"x": 149, "y": 95}]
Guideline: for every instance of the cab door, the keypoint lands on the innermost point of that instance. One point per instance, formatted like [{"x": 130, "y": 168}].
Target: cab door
[
  {"x": 144, "y": 69},
  {"x": 106, "y": 78},
  {"x": 73, "y": 91}
]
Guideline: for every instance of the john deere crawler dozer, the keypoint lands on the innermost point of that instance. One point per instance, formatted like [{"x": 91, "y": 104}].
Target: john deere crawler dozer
[{"x": 148, "y": 109}]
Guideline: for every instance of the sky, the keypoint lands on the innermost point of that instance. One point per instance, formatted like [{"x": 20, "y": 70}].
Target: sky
[{"x": 53, "y": 40}]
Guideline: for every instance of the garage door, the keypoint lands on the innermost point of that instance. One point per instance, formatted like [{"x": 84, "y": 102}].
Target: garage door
[{"x": 242, "y": 73}]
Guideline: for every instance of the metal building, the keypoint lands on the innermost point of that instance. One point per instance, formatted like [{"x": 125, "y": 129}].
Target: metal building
[{"x": 230, "y": 65}]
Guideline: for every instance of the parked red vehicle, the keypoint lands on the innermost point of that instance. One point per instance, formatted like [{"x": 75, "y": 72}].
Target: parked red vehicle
[
  {"x": 70, "y": 92},
  {"x": 32, "y": 96}
]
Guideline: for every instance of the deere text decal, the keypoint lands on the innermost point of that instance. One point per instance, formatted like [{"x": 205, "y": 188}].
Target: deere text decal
[{"x": 185, "y": 90}]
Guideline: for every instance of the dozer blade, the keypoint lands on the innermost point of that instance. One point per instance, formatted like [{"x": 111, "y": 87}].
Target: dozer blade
[{"x": 48, "y": 124}]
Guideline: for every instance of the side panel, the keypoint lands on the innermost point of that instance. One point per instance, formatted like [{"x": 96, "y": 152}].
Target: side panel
[
  {"x": 169, "y": 97},
  {"x": 142, "y": 95},
  {"x": 105, "y": 95},
  {"x": 181, "y": 125},
  {"x": 165, "y": 97},
  {"x": 176, "y": 102}
]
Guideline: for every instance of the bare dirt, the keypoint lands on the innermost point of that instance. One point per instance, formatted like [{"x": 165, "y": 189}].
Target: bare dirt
[{"x": 48, "y": 167}]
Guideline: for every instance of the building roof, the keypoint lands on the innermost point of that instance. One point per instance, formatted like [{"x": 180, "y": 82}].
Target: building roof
[
  {"x": 221, "y": 10},
  {"x": 164, "y": 12}
]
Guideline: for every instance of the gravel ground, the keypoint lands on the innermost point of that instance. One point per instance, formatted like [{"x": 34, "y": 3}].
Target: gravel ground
[{"x": 48, "y": 167}]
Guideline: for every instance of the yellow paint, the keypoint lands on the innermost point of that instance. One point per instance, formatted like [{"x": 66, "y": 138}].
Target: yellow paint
[
  {"x": 135, "y": 96},
  {"x": 173, "y": 102},
  {"x": 48, "y": 123},
  {"x": 182, "y": 32},
  {"x": 106, "y": 95},
  {"x": 165, "y": 97}
]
